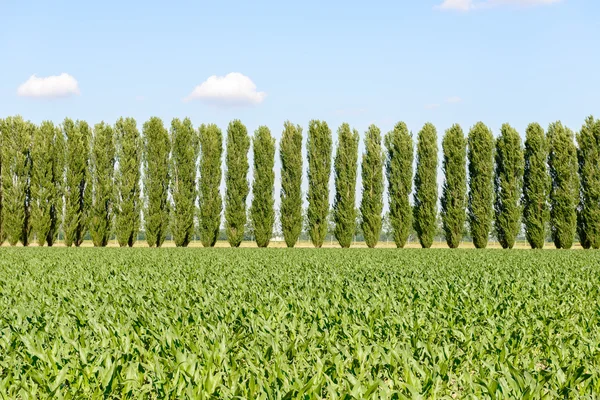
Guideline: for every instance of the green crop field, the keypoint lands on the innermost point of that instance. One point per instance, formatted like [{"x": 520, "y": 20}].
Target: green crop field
[{"x": 303, "y": 323}]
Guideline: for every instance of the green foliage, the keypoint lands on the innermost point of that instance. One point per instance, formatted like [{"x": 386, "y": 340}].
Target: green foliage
[
  {"x": 588, "y": 218},
  {"x": 481, "y": 183},
  {"x": 425, "y": 200},
  {"x": 184, "y": 144},
  {"x": 345, "y": 166},
  {"x": 102, "y": 168},
  {"x": 77, "y": 182},
  {"x": 536, "y": 184},
  {"x": 2, "y": 231},
  {"x": 16, "y": 179},
  {"x": 454, "y": 191},
  {"x": 564, "y": 193},
  {"x": 156, "y": 159},
  {"x": 262, "y": 211},
  {"x": 236, "y": 181},
  {"x": 266, "y": 324},
  {"x": 209, "y": 194},
  {"x": 371, "y": 204},
  {"x": 290, "y": 154},
  {"x": 127, "y": 181},
  {"x": 47, "y": 181},
  {"x": 319, "y": 170},
  {"x": 398, "y": 167},
  {"x": 508, "y": 183}
]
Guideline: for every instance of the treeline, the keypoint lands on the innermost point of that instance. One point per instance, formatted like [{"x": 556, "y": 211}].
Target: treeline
[{"x": 114, "y": 180}]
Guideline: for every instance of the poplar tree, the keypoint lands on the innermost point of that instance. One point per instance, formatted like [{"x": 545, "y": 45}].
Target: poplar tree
[
  {"x": 588, "y": 221},
  {"x": 156, "y": 158},
  {"x": 425, "y": 198},
  {"x": 209, "y": 195},
  {"x": 2, "y": 232},
  {"x": 184, "y": 142},
  {"x": 536, "y": 183},
  {"x": 290, "y": 154},
  {"x": 508, "y": 184},
  {"x": 319, "y": 169},
  {"x": 102, "y": 163},
  {"x": 399, "y": 167},
  {"x": 16, "y": 179},
  {"x": 127, "y": 181},
  {"x": 262, "y": 211},
  {"x": 48, "y": 162},
  {"x": 345, "y": 166},
  {"x": 236, "y": 181},
  {"x": 77, "y": 182},
  {"x": 371, "y": 204},
  {"x": 564, "y": 192},
  {"x": 454, "y": 191},
  {"x": 481, "y": 183}
]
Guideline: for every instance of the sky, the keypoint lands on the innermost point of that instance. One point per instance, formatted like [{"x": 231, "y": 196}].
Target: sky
[{"x": 265, "y": 62}]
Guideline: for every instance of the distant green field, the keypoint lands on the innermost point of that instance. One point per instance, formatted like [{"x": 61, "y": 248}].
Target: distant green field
[{"x": 301, "y": 323}]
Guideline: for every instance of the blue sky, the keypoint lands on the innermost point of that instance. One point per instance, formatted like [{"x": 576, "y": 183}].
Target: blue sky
[{"x": 378, "y": 62}]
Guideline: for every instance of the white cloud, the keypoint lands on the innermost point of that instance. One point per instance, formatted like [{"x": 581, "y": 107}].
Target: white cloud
[
  {"x": 62, "y": 85},
  {"x": 233, "y": 89},
  {"x": 453, "y": 100},
  {"x": 466, "y": 5}
]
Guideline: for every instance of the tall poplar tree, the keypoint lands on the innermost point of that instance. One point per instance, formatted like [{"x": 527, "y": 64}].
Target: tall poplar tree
[
  {"x": 481, "y": 183},
  {"x": 48, "y": 162},
  {"x": 290, "y": 154},
  {"x": 262, "y": 211},
  {"x": 399, "y": 169},
  {"x": 184, "y": 142},
  {"x": 77, "y": 182},
  {"x": 157, "y": 150},
  {"x": 209, "y": 195},
  {"x": 454, "y": 191},
  {"x": 127, "y": 181},
  {"x": 536, "y": 184},
  {"x": 425, "y": 198},
  {"x": 319, "y": 170},
  {"x": 16, "y": 179},
  {"x": 508, "y": 184},
  {"x": 102, "y": 169},
  {"x": 345, "y": 166},
  {"x": 588, "y": 221},
  {"x": 564, "y": 192},
  {"x": 371, "y": 204},
  {"x": 236, "y": 181}
]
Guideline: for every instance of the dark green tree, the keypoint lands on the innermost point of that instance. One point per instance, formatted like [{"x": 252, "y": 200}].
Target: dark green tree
[
  {"x": 319, "y": 146},
  {"x": 454, "y": 191},
  {"x": 262, "y": 211},
  {"x": 564, "y": 192},
  {"x": 536, "y": 184},
  {"x": 481, "y": 183},
  {"x": 184, "y": 142},
  {"x": 2, "y": 231},
  {"x": 425, "y": 198},
  {"x": 290, "y": 154},
  {"x": 371, "y": 204},
  {"x": 508, "y": 183},
  {"x": 77, "y": 183},
  {"x": 16, "y": 179},
  {"x": 48, "y": 163},
  {"x": 236, "y": 181},
  {"x": 588, "y": 218},
  {"x": 127, "y": 181},
  {"x": 209, "y": 195},
  {"x": 345, "y": 167},
  {"x": 102, "y": 163},
  {"x": 399, "y": 167},
  {"x": 157, "y": 149}
]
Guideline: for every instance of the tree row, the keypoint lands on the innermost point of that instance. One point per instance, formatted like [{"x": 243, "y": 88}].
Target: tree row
[{"x": 110, "y": 180}]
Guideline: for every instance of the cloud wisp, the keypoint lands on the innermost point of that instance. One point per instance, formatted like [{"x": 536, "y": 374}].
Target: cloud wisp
[
  {"x": 54, "y": 86},
  {"x": 468, "y": 5},
  {"x": 233, "y": 89}
]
